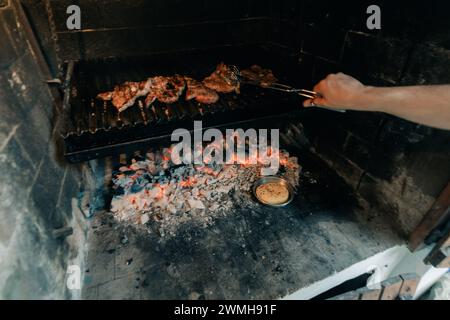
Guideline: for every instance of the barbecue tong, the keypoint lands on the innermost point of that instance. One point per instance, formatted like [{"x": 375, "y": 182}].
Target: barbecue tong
[{"x": 281, "y": 87}]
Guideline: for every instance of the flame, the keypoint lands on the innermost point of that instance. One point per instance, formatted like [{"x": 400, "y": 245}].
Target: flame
[
  {"x": 207, "y": 170},
  {"x": 161, "y": 193},
  {"x": 189, "y": 182},
  {"x": 250, "y": 159}
]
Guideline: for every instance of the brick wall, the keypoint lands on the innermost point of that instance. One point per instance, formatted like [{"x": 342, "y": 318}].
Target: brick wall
[
  {"x": 41, "y": 22},
  {"x": 36, "y": 187},
  {"x": 123, "y": 27},
  {"x": 398, "y": 166}
]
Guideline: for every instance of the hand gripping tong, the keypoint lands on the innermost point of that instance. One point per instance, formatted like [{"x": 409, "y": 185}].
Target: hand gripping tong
[{"x": 281, "y": 87}]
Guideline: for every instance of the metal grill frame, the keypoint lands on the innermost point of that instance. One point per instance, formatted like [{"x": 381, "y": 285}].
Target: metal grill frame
[{"x": 93, "y": 129}]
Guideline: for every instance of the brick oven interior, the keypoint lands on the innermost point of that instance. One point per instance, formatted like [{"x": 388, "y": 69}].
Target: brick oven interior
[{"x": 367, "y": 179}]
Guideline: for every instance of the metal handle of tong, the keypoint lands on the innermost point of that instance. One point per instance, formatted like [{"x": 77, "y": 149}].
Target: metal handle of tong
[
  {"x": 304, "y": 93},
  {"x": 236, "y": 75}
]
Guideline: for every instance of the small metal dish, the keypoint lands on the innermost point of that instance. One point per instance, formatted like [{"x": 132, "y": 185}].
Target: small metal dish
[{"x": 274, "y": 179}]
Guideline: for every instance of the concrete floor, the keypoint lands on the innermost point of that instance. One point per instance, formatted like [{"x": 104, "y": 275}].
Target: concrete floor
[{"x": 260, "y": 253}]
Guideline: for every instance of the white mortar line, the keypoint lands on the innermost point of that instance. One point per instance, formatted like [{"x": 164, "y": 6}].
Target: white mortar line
[
  {"x": 9, "y": 137},
  {"x": 38, "y": 170},
  {"x": 25, "y": 152},
  {"x": 63, "y": 181}
]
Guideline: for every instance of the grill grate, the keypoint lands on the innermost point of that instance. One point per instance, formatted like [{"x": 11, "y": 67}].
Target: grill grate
[{"x": 94, "y": 129}]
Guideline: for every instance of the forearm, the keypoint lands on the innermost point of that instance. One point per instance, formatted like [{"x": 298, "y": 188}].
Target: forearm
[{"x": 429, "y": 105}]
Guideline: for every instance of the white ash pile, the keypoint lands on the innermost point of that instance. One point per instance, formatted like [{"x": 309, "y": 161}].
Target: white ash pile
[{"x": 155, "y": 193}]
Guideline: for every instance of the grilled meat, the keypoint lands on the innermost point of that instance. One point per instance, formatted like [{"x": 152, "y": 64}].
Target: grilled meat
[
  {"x": 222, "y": 80},
  {"x": 169, "y": 89},
  {"x": 105, "y": 95},
  {"x": 124, "y": 95},
  {"x": 264, "y": 77},
  {"x": 157, "y": 86},
  {"x": 173, "y": 89},
  {"x": 196, "y": 90},
  {"x": 165, "y": 89}
]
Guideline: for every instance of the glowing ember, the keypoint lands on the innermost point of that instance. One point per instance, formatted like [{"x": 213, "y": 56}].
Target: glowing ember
[{"x": 153, "y": 192}]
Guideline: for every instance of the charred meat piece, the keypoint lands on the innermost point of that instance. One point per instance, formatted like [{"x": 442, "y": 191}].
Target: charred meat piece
[
  {"x": 124, "y": 95},
  {"x": 222, "y": 80},
  {"x": 149, "y": 99},
  {"x": 264, "y": 77},
  {"x": 106, "y": 96},
  {"x": 196, "y": 90},
  {"x": 157, "y": 86},
  {"x": 165, "y": 89},
  {"x": 173, "y": 89}
]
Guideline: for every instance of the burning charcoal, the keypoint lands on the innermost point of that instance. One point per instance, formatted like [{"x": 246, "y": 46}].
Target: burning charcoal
[
  {"x": 152, "y": 168},
  {"x": 224, "y": 189},
  {"x": 195, "y": 192},
  {"x": 125, "y": 182},
  {"x": 196, "y": 204},
  {"x": 161, "y": 203},
  {"x": 144, "y": 218},
  {"x": 135, "y": 188},
  {"x": 138, "y": 165},
  {"x": 150, "y": 156},
  {"x": 161, "y": 196},
  {"x": 142, "y": 203},
  {"x": 214, "y": 207},
  {"x": 154, "y": 192},
  {"x": 171, "y": 208}
]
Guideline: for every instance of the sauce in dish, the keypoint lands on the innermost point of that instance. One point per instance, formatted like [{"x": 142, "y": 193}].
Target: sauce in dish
[{"x": 272, "y": 193}]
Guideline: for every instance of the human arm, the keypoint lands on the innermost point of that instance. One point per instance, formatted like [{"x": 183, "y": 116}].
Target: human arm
[{"x": 428, "y": 105}]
